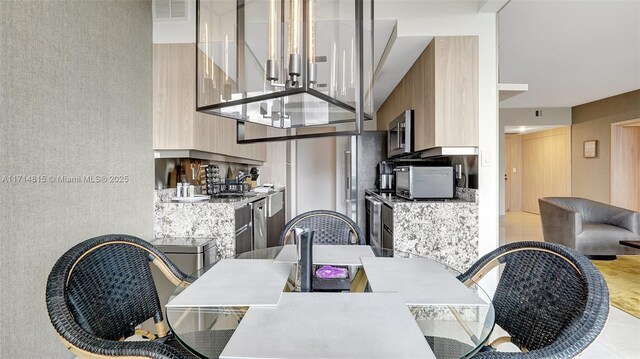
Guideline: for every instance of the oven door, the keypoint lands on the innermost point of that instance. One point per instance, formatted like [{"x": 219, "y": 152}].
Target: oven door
[{"x": 403, "y": 181}]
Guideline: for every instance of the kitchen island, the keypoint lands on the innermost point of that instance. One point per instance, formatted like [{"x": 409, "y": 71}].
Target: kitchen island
[
  {"x": 443, "y": 230},
  {"x": 214, "y": 218}
]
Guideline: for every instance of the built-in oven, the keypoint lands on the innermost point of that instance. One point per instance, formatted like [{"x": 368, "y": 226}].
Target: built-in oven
[
  {"x": 374, "y": 221},
  {"x": 400, "y": 135}
]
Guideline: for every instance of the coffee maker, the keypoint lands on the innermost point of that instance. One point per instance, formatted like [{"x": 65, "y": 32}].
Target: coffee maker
[{"x": 386, "y": 176}]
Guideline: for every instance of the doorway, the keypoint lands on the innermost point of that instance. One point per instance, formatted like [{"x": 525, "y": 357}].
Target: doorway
[{"x": 625, "y": 164}]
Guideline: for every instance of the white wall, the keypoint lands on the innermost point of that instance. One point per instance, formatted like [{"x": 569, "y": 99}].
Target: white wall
[
  {"x": 551, "y": 116},
  {"x": 316, "y": 174},
  {"x": 458, "y": 18}
]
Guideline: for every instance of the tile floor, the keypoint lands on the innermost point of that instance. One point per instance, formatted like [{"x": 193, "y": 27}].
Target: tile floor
[{"x": 620, "y": 337}]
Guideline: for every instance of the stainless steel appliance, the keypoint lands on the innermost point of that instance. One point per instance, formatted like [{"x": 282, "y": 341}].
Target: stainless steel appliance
[
  {"x": 386, "y": 176},
  {"x": 400, "y": 135},
  {"x": 189, "y": 259},
  {"x": 251, "y": 226},
  {"x": 362, "y": 155},
  {"x": 275, "y": 217},
  {"x": 259, "y": 223},
  {"x": 387, "y": 226},
  {"x": 425, "y": 182},
  {"x": 374, "y": 222},
  {"x": 243, "y": 229}
]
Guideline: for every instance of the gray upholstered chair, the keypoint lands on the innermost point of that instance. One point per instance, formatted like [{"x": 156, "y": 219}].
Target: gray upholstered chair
[{"x": 591, "y": 228}]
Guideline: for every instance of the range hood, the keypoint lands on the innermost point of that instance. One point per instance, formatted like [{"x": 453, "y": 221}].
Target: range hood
[{"x": 449, "y": 151}]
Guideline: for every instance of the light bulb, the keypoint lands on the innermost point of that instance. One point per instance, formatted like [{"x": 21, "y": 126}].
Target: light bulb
[
  {"x": 273, "y": 30},
  {"x": 206, "y": 48},
  {"x": 271, "y": 68},
  {"x": 294, "y": 26},
  {"x": 312, "y": 33}
]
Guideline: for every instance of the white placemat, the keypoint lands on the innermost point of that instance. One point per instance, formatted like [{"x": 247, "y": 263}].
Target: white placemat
[
  {"x": 236, "y": 283},
  {"x": 330, "y": 325},
  {"x": 419, "y": 281},
  {"x": 324, "y": 254}
]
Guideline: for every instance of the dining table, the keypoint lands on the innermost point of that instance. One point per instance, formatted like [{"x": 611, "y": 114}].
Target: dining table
[{"x": 396, "y": 305}]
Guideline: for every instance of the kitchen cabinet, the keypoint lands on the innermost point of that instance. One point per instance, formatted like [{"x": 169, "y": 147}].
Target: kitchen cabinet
[
  {"x": 177, "y": 125},
  {"x": 442, "y": 89}
]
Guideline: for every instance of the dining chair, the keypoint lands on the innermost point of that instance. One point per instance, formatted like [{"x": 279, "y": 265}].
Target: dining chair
[
  {"x": 101, "y": 289},
  {"x": 550, "y": 299},
  {"x": 330, "y": 228}
]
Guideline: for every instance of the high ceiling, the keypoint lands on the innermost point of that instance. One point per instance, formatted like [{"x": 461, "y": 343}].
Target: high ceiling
[{"x": 569, "y": 52}]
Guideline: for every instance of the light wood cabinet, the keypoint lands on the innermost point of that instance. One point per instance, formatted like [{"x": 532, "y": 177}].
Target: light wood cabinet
[
  {"x": 177, "y": 125},
  {"x": 392, "y": 107},
  {"x": 442, "y": 89}
]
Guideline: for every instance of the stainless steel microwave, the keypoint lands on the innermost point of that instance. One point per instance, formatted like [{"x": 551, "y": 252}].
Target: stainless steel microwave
[
  {"x": 400, "y": 135},
  {"x": 425, "y": 182}
]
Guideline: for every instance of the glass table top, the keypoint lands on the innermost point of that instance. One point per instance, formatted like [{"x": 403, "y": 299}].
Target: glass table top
[{"x": 452, "y": 331}]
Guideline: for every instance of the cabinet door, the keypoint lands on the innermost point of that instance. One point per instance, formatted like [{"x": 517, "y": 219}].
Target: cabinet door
[
  {"x": 423, "y": 92},
  {"x": 176, "y": 124},
  {"x": 381, "y": 118},
  {"x": 173, "y": 95},
  {"x": 456, "y": 90}
]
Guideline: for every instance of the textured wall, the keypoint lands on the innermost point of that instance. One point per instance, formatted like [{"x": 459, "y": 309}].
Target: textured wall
[
  {"x": 590, "y": 177},
  {"x": 75, "y": 99}
]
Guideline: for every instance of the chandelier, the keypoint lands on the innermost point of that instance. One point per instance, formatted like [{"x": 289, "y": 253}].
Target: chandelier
[{"x": 286, "y": 64}]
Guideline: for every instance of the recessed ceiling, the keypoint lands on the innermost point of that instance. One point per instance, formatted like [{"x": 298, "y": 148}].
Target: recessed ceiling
[{"x": 569, "y": 52}]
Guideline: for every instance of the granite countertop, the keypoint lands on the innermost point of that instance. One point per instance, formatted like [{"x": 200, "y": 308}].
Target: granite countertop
[{"x": 390, "y": 199}]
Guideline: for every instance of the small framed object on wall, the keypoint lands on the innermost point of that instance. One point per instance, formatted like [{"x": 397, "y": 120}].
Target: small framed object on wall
[{"x": 590, "y": 149}]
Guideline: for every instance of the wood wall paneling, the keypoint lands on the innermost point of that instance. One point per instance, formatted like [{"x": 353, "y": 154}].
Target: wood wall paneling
[
  {"x": 625, "y": 166},
  {"x": 546, "y": 166}
]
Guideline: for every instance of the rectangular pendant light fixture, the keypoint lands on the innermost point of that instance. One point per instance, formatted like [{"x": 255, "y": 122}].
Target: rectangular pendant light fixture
[{"x": 286, "y": 64}]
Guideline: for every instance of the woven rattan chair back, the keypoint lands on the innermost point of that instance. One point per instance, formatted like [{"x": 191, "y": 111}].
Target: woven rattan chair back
[
  {"x": 111, "y": 291},
  {"x": 550, "y": 299},
  {"x": 330, "y": 228},
  {"x": 101, "y": 289}
]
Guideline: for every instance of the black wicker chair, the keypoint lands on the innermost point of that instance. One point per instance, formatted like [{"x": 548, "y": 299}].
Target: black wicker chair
[
  {"x": 550, "y": 299},
  {"x": 102, "y": 288},
  {"x": 330, "y": 228}
]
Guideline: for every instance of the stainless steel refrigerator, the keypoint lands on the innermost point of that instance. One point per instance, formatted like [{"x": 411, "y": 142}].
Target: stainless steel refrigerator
[{"x": 361, "y": 156}]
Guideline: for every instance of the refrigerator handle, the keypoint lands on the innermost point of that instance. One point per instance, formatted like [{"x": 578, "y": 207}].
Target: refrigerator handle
[{"x": 347, "y": 171}]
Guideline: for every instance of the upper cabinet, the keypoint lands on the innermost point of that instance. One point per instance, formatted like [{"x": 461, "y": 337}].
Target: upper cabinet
[
  {"x": 177, "y": 125},
  {"x": 442, "y": 89}
]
